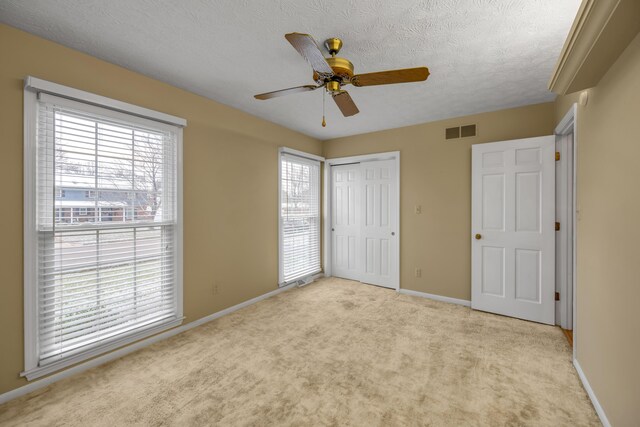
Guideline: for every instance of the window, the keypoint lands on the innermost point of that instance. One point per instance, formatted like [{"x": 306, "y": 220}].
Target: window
[
  {"x": 59, "y": 193},
  {"x": 94, "y": 284},
  {"x": 299, "y": 217}
]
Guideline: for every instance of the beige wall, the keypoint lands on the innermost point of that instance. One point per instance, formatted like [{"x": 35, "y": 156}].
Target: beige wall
[
  {"x": 608, "y": 326},
  {"x": 230, "y": 183},
  {"x": 436, "y": 174}
]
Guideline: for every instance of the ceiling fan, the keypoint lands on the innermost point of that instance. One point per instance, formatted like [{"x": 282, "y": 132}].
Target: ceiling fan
[{"x": 334, "y": 72}]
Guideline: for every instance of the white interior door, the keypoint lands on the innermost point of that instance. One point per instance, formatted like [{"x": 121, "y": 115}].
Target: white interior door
[
  {"x": 346, "y": 221},
  {"x": 363, "y": 222},
  {"x": 378, "y": 235},
  {"x": 513, "y": 226}
]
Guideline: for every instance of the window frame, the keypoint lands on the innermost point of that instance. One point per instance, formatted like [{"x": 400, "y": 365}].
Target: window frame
[
  {"x": 308, "y": 156},
  {"x": 32, "y": 87}
]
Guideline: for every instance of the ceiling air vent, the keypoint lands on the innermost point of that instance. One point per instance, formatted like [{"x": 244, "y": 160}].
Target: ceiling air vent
[{"x": 452, "y": 133}]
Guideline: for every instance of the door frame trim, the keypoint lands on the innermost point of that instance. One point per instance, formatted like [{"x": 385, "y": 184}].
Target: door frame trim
[
  {"x": 326, "y": 202},
  {"x": 568, "y": 124}
]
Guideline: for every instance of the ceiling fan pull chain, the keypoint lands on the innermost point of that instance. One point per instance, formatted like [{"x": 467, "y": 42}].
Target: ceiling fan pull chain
[{"x": 324, "y": 123}]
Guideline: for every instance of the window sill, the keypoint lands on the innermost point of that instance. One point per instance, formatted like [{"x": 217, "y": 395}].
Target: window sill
[{"x": 40, "y": 371}]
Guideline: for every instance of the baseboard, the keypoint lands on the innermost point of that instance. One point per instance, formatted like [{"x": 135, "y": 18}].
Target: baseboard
[
  {"x": 436, "y": 297},
  {"x": 92, "y": 363},
  {"x": 592, "y": 395}
]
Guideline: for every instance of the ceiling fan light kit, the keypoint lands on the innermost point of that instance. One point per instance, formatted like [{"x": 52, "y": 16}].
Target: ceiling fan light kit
[{"x": 334, "y": 72}]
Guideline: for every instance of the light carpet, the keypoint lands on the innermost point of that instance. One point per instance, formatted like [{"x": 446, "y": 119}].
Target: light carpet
[{"x": 335, "y": 352}]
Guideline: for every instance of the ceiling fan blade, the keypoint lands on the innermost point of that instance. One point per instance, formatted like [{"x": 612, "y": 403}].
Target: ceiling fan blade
[
  {"x": 406, "y": 75},
  {"x": 284, "y": 92},
  {"x": 307, "y": 47},
  {"x": 345, "y": 103}
]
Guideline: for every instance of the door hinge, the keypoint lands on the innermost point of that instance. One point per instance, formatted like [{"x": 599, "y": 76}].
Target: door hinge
[
  {"x": 557, "y": 156},
  {"x": 557, "y": 226},
  {"x": 557, "y": 296}
]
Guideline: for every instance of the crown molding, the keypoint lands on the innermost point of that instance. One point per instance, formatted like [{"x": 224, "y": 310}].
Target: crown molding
[{"x": 601, "y": 31}]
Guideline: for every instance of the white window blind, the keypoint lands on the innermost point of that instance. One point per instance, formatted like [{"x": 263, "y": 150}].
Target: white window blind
[
  {"x": 299, "y": 217},
  {"x": 106, "y": 218}
]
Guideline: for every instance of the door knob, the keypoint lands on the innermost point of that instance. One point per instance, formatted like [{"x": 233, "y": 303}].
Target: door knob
[{"x": 478, "y": 236}]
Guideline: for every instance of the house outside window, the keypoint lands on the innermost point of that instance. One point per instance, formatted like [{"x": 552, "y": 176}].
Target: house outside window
[
  {"x": 299, "y": 217},
  {"x": 101, "y": 269}
]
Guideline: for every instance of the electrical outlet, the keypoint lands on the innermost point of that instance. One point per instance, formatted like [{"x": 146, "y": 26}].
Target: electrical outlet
[
  {"x": 215, "y": 289},
  {"x": 418, "y": 272},
  {"x": 418, "y": 209}
]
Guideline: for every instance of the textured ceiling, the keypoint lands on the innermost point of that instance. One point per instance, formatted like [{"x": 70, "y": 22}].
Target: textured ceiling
[{"x": 483, "y": 55}]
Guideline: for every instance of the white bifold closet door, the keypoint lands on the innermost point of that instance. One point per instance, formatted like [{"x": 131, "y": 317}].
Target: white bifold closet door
[{"x": 363, "y": 216}]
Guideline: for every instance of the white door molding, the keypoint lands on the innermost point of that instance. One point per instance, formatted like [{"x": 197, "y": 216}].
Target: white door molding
[
  {"x": 327, "y": 207},
  {"x": 569, "y": 125},
  {"x": 565, "y": 215}
]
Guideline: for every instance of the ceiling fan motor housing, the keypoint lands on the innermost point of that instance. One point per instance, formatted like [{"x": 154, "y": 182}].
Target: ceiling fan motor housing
[
  {"x": 333, "y": 86},
  {"x": 342, "y": 68},
  {"x": 342, "y": 71}
]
